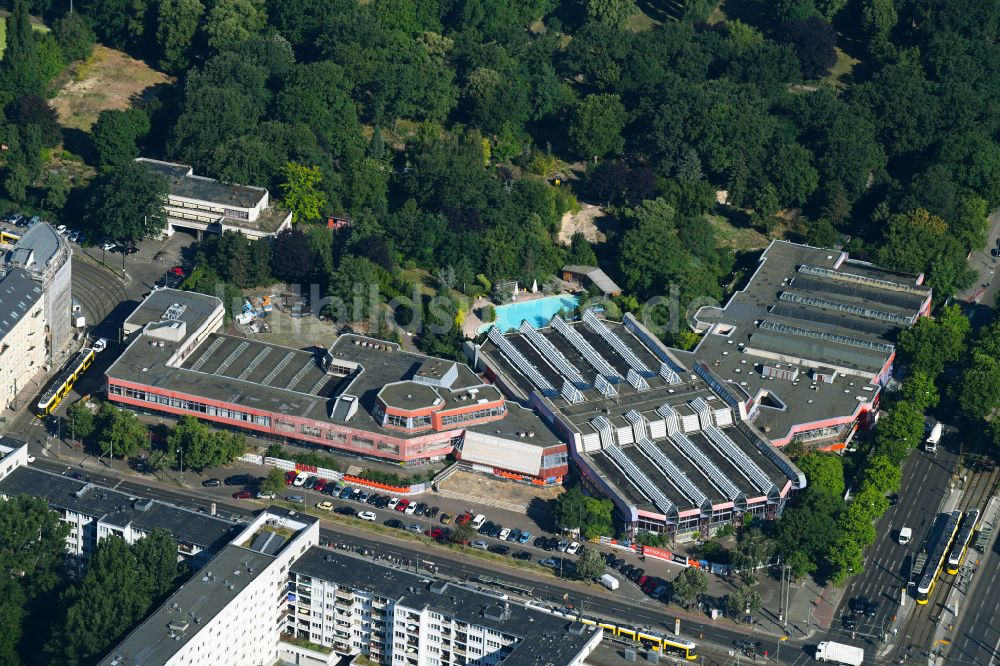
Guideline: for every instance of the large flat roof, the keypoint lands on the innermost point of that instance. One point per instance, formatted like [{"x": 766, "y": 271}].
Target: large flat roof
[
  {"x": 183, "y": 183},
  {"x": 283, "y": 380},
  {"x": 117, "y": 508},
  {"x": 625, "y": 350},
  {"x": 808, "y": 309},
  {"x": 543, "y": 639},
  {"x": 191, "y": 608}
]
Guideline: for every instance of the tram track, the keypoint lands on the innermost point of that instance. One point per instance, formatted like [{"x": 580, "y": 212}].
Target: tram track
[{"x": 985, "y": 475}]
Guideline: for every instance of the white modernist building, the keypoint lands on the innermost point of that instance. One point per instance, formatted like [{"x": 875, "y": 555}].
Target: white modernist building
[
  {"x": 35, "y": 308},
  {"x": 200, "y": 204},
  {"x": 274, "y": 595}
]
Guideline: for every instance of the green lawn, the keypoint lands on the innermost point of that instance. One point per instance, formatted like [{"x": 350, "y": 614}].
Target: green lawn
[{"x": 840, "y": 73}]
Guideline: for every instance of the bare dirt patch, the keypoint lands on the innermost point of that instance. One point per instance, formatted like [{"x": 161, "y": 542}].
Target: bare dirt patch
[
  {"x": 109, "y": 79},
  {"x": 587, "y": 221},
  {"x": 496, "y": 490}
]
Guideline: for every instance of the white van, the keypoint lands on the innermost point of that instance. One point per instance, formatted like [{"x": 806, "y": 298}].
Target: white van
[
  {"x": 905, "y": 535},
  {"x": 300, "y": 479},
  {"x": 477, "y": 522}
]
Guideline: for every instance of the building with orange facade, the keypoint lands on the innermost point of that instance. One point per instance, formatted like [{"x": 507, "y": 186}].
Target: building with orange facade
[{"x": 361, "y": 396}]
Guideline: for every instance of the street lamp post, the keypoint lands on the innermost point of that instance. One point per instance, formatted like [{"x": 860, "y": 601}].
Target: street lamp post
[{"x": 180, "y": 452}]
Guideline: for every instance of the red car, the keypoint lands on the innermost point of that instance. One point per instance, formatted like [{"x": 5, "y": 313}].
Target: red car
[
  {"x": 402, "y": 505},
  {"x": 243, "y": 494},
  {"x": 320, "y": 485},
  {"x": 177, "y": 270},
  {"x": 464, "y": 519},
  {"x": 435, "y": 533},
  {"x": 289, "y": 477}
]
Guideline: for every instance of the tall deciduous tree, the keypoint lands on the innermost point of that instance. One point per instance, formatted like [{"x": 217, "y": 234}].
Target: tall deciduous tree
[
  {"x": 825, "y": 473},
  {"x": 80, "y": 420},
  {"x": 611, "y": 12},
  {"x": 301, "y": 191},
  {"x": 596, "y": 127},
  {"x": 231, "y": 23},
  {"x": 689, "y": 584},
  {"x": 292, "y": 256},
  {"x": 176, "y": 27},
  {"x": 75, "y": 36},
  {"x": 115, "y": 135},
  {"x": 814, "y": 41},
  {"x": 590, "y": 565},
  {"x": 121, "y": 434},
  {"x": 127, "y": 203}
]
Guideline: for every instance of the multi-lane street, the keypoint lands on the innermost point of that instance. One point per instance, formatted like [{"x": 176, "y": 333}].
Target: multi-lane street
[{"x": 925, "y": 484}]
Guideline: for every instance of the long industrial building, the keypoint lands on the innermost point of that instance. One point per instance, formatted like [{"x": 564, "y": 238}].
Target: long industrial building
[
  {"x": 361, "y": 396},
  {"x": 809, "y": 342},
  {"x": 273, "y": 594},
  {"x": 670, "y": 445}
]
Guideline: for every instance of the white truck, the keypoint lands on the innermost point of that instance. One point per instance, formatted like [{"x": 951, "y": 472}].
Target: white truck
[
  {"x": 932, "y": 440},
  {"x": 838, "y": 653},
  {"x": 609, "y": 581}
]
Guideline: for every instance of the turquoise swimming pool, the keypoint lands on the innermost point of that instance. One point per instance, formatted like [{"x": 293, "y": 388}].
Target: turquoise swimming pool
[{"x": 537, "y": 312}]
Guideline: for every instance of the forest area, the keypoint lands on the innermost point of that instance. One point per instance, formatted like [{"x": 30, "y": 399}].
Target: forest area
[
  {"x": 456, "y": 134},
  {"x": 441, "y": 128}
]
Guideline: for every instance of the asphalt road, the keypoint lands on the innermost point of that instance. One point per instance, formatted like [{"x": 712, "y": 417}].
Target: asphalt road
[
  {"x": 984, "y": 289},
  {"x": 887, "y": 562}
]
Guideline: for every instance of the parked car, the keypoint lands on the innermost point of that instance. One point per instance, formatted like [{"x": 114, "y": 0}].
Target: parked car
[
  {"x": 415, "y": 528},
  {"x": 61, "y": 228},
  {"x": 392, "y": 503},
  {"x": 373, "y": 499},
  {"x": 320, "y": 485},
  {"x": 487, "y": 526},
  {"x": 524, "y": 537},
  {"x": 420, "y": 509},
  {"x": 464, "y": 519},
  {"x": 290, "y": 477},
  {"x": 324, "y": 506},
  {"x": 363, "y": 496},
  {"x": 539, "y": 542},
  {"x": 295, "y": 499},
  {"x": 871, "y": 608},
  {"x": 402, "y": 506},
  {"x": 367, "y": 515},
  {"x": 344, "y": 511},
  {"x": 434, "y": 532},
  {"x": 499, "y": 549},
  {"x": 177, "y": 271},
  {"x": 445, "y": 518},
  {"x": 237, "y": 480},
  {"x": 514, "y": 535},
  {"x": 242, "y": 494},
  {"x": 100, "y": 345},
  {"x": 262, "y": 495},
  {"x": 345, "y": 492},
  {"x": 850, "y": 622},
  {"x": 563, "y": 545},
  {"x": 211, "y": 483},
  {"x": 392, "y": 522},
  {"x": 549, "y": 562},
  {"x": 74, "y": 236},
  {"x": 433, "y": 512},
  {"x": 410, "y": 509},
  {"x": 522, "y": 555},
  {"x": 310, "y": 483},
  {"x": 572, "y": 548},
  {"x": 504, "y": 534},
  {"x": 480, "y": 545}
]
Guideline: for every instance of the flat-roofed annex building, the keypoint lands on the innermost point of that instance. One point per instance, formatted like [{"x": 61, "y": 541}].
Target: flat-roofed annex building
[
  {"x": 668, "y": 444},
  {"x": 361, "y": 395},
  {"x": 200, "y": 204},
  {"x": 809, "y": 342}
]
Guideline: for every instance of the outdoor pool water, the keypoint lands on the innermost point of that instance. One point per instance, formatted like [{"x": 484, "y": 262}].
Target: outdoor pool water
[{"x": 537, "y": 312}]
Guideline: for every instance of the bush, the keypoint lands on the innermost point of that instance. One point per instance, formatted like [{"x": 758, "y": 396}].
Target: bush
[{"x": 488, "y": 314}]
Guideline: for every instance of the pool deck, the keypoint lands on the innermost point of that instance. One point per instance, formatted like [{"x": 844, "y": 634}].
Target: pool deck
[{"x": 472, "y": 322}]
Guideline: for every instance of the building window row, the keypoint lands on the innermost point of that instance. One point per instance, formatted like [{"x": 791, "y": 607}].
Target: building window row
[
  {"x": 479, "y": 414},
  {"x": 189, "y": 405}
]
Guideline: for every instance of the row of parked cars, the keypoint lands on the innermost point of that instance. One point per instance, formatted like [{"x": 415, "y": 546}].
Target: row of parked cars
[
  {"x": 653, "y": 586},
  {"x": 25, "y": 222},
  {"x": 343, "y": 491}
]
